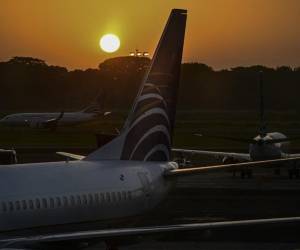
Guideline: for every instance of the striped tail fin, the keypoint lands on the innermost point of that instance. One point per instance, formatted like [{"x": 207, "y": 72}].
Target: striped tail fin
[{"x": 147, "y": 133}]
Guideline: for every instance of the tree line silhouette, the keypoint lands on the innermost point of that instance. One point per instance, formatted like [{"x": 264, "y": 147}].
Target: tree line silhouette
[{"x": 29, "y": 84}]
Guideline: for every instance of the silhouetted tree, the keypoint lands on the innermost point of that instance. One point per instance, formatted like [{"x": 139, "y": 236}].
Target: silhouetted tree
[
  {"x": 27, "y": 61},
  {"x": 30, "y": 84}
]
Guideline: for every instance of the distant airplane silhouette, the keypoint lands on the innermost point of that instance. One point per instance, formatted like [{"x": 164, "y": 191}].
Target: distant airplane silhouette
[{"x": 53, "y": 120}]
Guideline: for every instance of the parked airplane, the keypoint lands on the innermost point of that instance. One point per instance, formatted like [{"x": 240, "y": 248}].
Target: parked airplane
[
  {"x": 53, "y": 120},
  {"x": 48, "y": 204},
  {"x": 265, "y": 146}
]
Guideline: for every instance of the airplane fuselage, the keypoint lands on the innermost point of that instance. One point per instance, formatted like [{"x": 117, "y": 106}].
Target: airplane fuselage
[
  {"x": 45, "y": 194},
  {"x": 36, "y": 120},
  {"x": 268, "y": 151}
]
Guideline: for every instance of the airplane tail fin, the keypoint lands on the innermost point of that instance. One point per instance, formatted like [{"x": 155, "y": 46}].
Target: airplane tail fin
[{"x": 147, "y": 133}]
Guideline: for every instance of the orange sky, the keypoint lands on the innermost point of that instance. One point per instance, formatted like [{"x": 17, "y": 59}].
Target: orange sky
[{"x": 220, "y": 33}]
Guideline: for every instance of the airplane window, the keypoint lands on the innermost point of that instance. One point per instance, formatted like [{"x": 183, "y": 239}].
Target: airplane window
[
  {"x": 18, "y": 205},
  {"x": 11, "y": 206},
  {"x": 4, "y": 208},
  {"x": 24, "y": 204},
  {"x": 65, "y": 201},
  {"x": 58, "y": 201},
  {"x": 37, "y": 203},
  {"x": 91, "y": 199},
  {"x": 31, "y": 204},
  {"x": 96, "y": 198},
  {"x": 51, "y": 202},
  {"x": 72, "y": 200},
  {"x": 45, "y": 204},
  {"x": 107, "y": 197},
  {"x": 85, "y": 202},
  {"x": 78, "y": 200}
]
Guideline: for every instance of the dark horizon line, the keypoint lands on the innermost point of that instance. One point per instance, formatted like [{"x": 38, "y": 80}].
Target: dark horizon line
[{"x": 296, "y": 68}]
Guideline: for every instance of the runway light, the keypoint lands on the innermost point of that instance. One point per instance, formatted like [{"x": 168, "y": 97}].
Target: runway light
[{"x": 137, "y": 53}]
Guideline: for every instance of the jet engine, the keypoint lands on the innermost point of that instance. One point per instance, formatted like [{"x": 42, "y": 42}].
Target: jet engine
[
  {"x": 244, "y": 173},
  {"x": 229, "y": 160},
  {"x": 8, "y": 157}
]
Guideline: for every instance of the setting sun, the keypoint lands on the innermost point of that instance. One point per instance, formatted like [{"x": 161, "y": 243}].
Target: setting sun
[{"x": 109, "y": 43}]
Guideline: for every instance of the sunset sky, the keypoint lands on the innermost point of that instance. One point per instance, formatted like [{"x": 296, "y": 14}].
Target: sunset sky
[{"x": 220, "y": 33}]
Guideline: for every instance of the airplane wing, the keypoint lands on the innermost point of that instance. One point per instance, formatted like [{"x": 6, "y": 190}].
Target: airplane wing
[
  {"x": 291, "y": 155},
  {"x": 52, "y": 123},
  {"x": 137, "y": 231},
  {"x": 215, "y": 154},
  {"x": 202, "y": 169},
  {"x": 71, "y": 156}
]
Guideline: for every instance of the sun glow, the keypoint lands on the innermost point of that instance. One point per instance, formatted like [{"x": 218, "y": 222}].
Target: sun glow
[{"x": 109, "y": 43}]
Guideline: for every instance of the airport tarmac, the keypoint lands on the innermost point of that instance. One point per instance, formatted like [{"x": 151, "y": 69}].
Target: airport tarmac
[{"x": 214, "y": 197}]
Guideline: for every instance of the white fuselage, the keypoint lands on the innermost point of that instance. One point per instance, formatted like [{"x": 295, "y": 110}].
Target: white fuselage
[
  {"x": 60, "y": 193},
  {"x": 36, "y": 120},
  {"x": 268, "y": 151}
]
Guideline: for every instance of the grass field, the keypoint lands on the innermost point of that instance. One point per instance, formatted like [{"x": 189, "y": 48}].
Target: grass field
[{"x": 237, "y": 124}]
